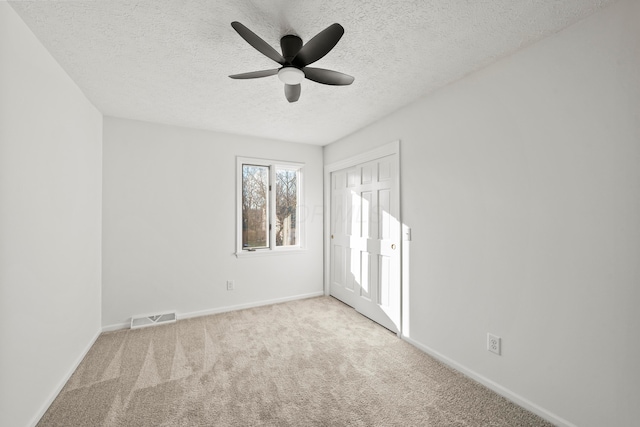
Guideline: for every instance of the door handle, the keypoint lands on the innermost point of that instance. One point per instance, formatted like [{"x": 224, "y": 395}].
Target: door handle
[
  {"x": 393, "y": 246},
  {"x": 332, "y": 236}
]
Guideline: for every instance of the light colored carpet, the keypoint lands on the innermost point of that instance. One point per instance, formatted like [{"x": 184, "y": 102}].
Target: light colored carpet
[{"x": 313, "y": 362}]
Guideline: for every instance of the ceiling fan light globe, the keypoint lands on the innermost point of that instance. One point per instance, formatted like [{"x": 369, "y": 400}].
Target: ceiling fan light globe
[{"x": 290, "y": 75}]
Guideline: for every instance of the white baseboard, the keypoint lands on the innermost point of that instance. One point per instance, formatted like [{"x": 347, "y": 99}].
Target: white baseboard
[
  {"x": 62, "y": 382},
  {"x": 248, "y": 305},
  {"x": 118, "y": 326},
  {"x": 503, "y": 391}
]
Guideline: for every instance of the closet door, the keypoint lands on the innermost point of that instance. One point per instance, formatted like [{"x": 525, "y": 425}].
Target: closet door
[{"x": 365, "y": 240}]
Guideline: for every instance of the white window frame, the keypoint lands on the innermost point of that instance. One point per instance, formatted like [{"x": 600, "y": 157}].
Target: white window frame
[{"x": 272, "y": 249}]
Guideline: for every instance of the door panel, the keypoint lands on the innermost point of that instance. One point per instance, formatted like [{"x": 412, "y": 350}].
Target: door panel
[
  {"x": 338, "y": 262},
  {"x": 385, "y": 280},
  {"x": 365, "y": 210},
  {"x": 384, "y": 171},
  {"x": 384, "y": 218},
  {"x": 367, "y": 174},
  {"x": 365, "y": 234},
  {"x": 353, "y": 272},
  {"x": 352, "y": 178},
  {"x": 365, "y": 292}
]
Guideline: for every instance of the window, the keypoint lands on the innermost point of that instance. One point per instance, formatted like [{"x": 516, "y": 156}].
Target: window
[{"x": 269, "y": 201}]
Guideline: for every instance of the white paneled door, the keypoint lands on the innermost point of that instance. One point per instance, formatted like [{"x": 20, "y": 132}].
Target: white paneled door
[{"x": 365, "y": 239}]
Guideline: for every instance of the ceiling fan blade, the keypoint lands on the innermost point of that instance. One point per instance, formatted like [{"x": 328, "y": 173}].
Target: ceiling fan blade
[
  {"x": 319, "y": 46},
  {"x": 327, "y": 77},
  {"x": 259, "y": 44},
  {"x": 255, "y": 74},
  {"x": 292, "y": 92}
]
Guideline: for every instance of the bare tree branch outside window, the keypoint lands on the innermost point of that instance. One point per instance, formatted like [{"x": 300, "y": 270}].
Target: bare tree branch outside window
[
  {"x": 286, "y": 206},
  {"x": 255, "y": 196}
]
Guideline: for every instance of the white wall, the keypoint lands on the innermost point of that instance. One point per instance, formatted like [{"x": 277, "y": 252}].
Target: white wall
[
  {"x": 521, "y": 184},
  {"x": 50, "y": 221},
  {"x": 169, "y": 223}
]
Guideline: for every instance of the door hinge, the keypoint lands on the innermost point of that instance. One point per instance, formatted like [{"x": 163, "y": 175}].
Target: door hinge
[
  {"x": 269, "y": 187},
  {"x": 269, "y": 227}
]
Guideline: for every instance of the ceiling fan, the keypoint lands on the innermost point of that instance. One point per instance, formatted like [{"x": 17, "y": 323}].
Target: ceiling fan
[{"x": 295, "y": 59}]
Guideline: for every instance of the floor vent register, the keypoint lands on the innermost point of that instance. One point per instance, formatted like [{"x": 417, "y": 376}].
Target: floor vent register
[{"x": 152, "y": 320}]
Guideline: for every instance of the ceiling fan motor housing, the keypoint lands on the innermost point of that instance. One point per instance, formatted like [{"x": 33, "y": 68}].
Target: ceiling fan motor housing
[{"x": 290, "y": 46}]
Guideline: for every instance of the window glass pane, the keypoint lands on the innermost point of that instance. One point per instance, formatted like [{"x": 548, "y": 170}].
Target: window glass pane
[
  {"x": 255, "y": 206},
  {"x": 286, "y": 206}
]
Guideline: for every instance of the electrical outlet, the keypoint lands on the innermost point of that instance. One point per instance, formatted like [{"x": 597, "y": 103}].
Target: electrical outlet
[
  {"x": 494, "y": 343},
  {"x": 230, "y": 285}
]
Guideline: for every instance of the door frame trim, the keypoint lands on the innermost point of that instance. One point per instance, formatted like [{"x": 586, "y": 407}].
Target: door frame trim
[{"x": 367, "y": 156}]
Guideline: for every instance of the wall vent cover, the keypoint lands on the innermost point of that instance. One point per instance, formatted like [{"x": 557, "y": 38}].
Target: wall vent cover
[{"x": 143, "y": 321}]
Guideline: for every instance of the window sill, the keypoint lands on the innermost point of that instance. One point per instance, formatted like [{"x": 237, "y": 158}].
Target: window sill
[{"x": 270, "y": 252}]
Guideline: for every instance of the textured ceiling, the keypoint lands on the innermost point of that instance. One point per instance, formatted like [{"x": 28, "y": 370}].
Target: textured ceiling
[{"x": 167, "y": 61}]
